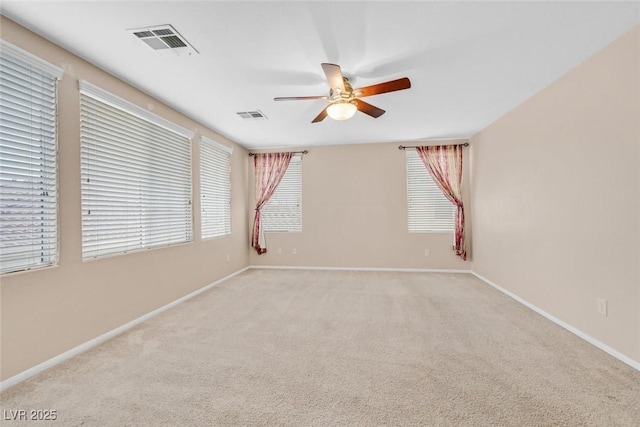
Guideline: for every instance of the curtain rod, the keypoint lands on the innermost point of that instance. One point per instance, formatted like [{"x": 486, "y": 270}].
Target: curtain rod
[
  {"x": 404, "y": 147},
  {"x": 292, "y": 152}
]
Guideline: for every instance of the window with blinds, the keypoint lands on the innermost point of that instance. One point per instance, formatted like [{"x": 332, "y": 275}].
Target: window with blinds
[
  {"x": 215, "y": 188},
  {"x": 28, "y": 182},
  {"x": 283, "y": 212},
  {"x": 136, "y": 177},
  {"x": 429, "y": 210}
]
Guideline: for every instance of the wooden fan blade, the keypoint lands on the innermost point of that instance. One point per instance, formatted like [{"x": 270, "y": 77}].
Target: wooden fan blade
[
  {"x": 369, "y": 109},
  {"x": 297, "y": 98},
  {"x": 334, "y": 76},
  {"x": 320, "y": 117},
  {"x": 391, "y": 86}
]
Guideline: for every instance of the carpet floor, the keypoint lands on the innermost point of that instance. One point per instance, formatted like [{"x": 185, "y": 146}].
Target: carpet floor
[{"x": 338, "y": 348}]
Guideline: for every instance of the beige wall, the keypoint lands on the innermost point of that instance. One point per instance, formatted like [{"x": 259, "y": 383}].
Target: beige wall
[
  {"x": 354, "y": 214},
  {"x": 556, "y": 193},
  {"x": 48, "y": 311}
]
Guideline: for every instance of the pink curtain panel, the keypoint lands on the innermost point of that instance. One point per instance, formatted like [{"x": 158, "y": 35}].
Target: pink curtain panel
[
  {"x": 269, "y": 168},
  {"x": 444, "y": 163}
]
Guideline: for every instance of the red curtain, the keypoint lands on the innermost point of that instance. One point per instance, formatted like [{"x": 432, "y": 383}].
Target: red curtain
[
  {"x": 444, "y": 163},
  {"x": 269, "y": 168}
]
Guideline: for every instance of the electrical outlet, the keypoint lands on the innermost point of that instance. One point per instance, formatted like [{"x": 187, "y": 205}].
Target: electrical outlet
[
  {"x": 602, "y": 306},
  {"x": 228, "y": 258},
  {"x": 295, "y": 251},
  {"x": 426, "y": 252},
  {"x": 279, "y": 251}
]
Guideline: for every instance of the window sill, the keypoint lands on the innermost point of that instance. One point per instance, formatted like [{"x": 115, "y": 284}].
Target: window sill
[{"x": 29, "y": 270}]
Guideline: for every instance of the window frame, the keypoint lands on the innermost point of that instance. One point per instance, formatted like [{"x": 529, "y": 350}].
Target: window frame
[
  {"x": 159, "y": 124},
  {"x": 222, "y": 148},
  {"x": 264, "y": 214},
  {"x": 411, "y": 156},
  {"x": 47, "y": 73}
]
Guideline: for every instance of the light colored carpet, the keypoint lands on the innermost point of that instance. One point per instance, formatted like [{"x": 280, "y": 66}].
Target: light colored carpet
[{"x": 332, "y": 348}]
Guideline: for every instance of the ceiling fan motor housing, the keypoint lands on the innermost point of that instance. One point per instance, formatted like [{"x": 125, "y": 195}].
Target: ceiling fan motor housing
[{"x": 338, "y": 94}]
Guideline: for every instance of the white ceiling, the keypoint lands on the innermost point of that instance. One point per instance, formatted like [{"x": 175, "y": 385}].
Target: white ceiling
[{"x": 469, "y": 62}]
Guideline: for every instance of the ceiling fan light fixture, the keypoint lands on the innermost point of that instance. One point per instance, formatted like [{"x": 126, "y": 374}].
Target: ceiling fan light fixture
[{"x": 342, "y": 110}]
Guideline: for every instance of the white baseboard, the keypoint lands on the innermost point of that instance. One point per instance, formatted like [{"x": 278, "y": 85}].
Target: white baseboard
[
  {"x": 402, "y": 270},
  {"x": 588, "y": 338},
  {"x": 106, "y": 336}
]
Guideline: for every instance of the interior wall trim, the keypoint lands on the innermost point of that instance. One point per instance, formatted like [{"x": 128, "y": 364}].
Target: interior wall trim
[
  {"x": 401, "y": 270},
  {"x": 11, "y": 381},
  {"x": 588, "y": 338}
]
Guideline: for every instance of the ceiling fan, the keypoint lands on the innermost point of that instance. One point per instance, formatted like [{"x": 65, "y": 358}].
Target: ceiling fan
[{"x": 344, "y": 101}]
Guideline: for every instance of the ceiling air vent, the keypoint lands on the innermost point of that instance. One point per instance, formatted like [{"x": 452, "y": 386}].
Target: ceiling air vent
[
  {"x": 252, "y": 115},
  {"x": 164, "y": 39}
]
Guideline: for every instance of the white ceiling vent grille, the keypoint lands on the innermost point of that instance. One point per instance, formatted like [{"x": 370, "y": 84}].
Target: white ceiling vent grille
[
  {"x": 252, "y": 115},
  {"x": 164, "y": 39}
]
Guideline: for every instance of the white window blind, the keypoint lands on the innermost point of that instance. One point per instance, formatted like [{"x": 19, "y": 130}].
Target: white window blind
[
  {"x": 429, "y": 210},
  {"x": 28, "y": 183},
  {"x": 283, "y": 212},
  {"x": 215, "y": 188},
  {"x": 136, "y": 177}
]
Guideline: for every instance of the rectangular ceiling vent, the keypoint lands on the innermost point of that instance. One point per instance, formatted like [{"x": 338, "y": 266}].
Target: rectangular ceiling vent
[
  {"x": 165, "y": 40},
  {"x": 252, "y": 115}
]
